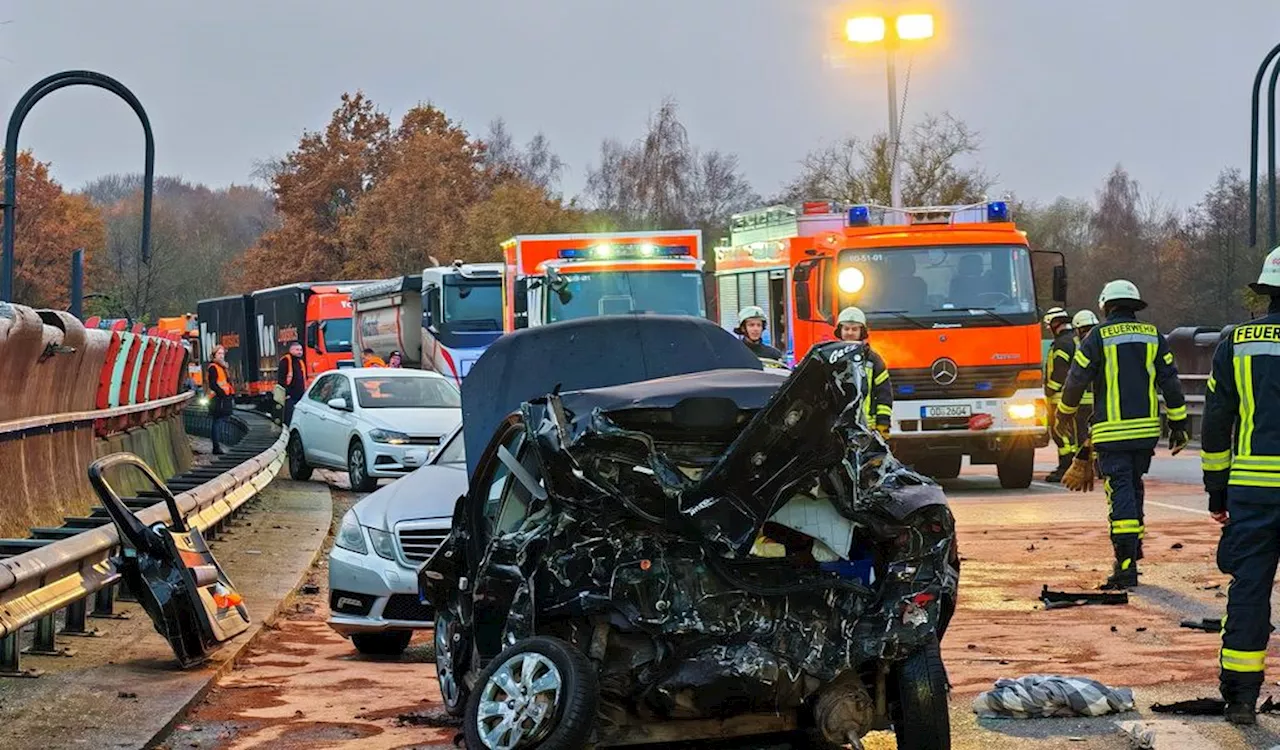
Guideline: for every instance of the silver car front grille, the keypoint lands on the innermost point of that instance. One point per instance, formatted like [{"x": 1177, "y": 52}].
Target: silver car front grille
[{"x": 418, "y": 544}]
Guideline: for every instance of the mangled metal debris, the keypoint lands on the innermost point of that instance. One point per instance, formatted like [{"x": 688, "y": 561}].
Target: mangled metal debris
[
  {"x": 716, "y": 544},
  {"x": 1062, "y": 599}
]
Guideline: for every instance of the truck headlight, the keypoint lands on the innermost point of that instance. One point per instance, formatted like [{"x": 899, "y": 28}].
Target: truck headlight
[
  {"x": 1022, "y": 411},
  {"x": 390, "y": 437},
  {"x": 851, "y": 280},
  {"x": 383, "y": 543},
  {"x": 351, "y": 535}
]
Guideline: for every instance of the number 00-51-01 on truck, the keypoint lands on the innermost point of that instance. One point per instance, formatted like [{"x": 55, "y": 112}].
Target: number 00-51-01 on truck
[
  {"x": 556, "y": 277},
  {"x": 950, "y": 298}
]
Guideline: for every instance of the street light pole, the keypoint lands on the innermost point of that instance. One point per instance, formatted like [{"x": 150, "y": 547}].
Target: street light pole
[{"x": 895, "y": 188}]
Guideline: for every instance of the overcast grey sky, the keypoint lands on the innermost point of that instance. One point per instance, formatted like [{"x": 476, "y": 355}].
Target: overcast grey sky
[{"x": 1061, "y": 91}]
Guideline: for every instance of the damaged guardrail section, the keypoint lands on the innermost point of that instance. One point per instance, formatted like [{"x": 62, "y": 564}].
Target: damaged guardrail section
[{"x": 34, "y": 585}]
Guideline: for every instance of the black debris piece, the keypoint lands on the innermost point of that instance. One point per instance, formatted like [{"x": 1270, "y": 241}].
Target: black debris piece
[
  {"x": 1207, "y": 624},
  {"x": 1142, "y": 630},
  {"x": 1176, "y": 545},
  {"x": 1060, "y": 599},
  {"x": 1208, "y": 707},
  {"x": 310, "y": 588}
]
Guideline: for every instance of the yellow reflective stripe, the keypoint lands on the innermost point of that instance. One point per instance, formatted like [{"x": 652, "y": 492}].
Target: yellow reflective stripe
[
  {"x": 1115, "y": 437},
  {"x": 1087, "y": 398},
  {"x": 1126, "y": 424},
  {"x": 1177, "y": 413},
  {"x": 1253, "y": 479},
  {"x": 883, "y": 376},
  {"x": 1064, "y": 409},
  {"x": 1081, "y": 359},
  {"x": 1212, "y": 384},
  {"x": 1168, "y": 358},
  {"x": 1063, "y": 354},
  {"x": 1216, "y": 460},
  {"x": 884, "y": 411},
  {"x": 1244, "y": 386},
  {"x": 1126, "y": 526},
  {"x": 1258, "y": 463},
  {"x": 1154, "y": 405},
  {"x": 1112, "y": 368},
  {"x": 1242, "y": 661}
]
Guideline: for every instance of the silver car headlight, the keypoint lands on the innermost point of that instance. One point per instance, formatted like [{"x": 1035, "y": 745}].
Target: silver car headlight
[
  {"x": 351, "y": 535},
  {"x": 390, "y": 437},
  {"x": 383, "y": 543}
]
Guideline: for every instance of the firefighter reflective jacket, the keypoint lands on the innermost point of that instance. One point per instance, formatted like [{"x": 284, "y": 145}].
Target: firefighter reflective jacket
[
  {"x": 1243, "y": 397},
  {"x": 878, "y": 409},
  {"x": 1126, "y": 361},
  {"x": 1057, "y": 364},
  {"x": 1087, "y": 398}
]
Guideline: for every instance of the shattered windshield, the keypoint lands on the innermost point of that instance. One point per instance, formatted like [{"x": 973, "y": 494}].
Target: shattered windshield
[{"x": 588, "y": 295}]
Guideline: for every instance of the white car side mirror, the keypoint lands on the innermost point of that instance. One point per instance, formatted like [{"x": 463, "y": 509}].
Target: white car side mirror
[{"x": 339, "y": 403}]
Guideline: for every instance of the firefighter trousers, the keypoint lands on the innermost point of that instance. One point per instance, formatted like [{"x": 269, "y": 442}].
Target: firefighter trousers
[
  {"x": 1122, "y": 473},
  {"x": 1248, "y": 552}
]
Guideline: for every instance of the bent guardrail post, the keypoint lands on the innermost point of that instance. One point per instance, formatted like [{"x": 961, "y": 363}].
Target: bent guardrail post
[{"x": 34, "y": 94}]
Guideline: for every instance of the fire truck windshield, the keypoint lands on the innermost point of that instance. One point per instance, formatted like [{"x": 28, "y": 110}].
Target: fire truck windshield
[
  {"x": 472, "y": 306},
  {"x": 586, "y": 295},
  {"x": 945, "y": 283}
]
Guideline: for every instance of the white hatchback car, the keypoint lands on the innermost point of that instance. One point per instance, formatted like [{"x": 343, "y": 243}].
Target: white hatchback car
[{"x": 373, "y": 422}]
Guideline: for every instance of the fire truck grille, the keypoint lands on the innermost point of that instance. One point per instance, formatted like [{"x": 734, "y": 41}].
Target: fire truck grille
[{"x": 971, "y": 382}]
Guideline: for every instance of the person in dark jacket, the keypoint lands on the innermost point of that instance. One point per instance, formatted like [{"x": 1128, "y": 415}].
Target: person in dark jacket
[
  {"x": 877, "y": 407},
  {"x": 222, "y": 395},
  {"x": 292, "y": 375},
  {"x": 751, "y": 324},
  {"x": 1240, "y": 458},
  {"x": 1057, "y": 364},
  {"x": 1127, "y": 362}
]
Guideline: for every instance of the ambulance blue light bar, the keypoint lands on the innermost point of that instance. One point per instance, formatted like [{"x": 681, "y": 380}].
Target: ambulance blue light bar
[
  {"x": 859, "y": 216},
  {"x": 997, "y": 211},
  {"x": 608, "y": 251}
]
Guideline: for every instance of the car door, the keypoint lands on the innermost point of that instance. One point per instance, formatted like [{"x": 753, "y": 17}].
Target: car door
[
  {"x": 317, "y": 427},
  {"x": 341, "y": 421},
  {"x": 306, "y": 420}
]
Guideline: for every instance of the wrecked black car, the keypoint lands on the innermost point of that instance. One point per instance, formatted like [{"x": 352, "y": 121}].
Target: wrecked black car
[{"x": 662, "y": 541}]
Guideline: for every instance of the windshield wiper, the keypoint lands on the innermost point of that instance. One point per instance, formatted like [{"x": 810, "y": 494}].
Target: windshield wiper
[
  {"x": 901, "y": 314},
  {"x": 988, "y": 310}
]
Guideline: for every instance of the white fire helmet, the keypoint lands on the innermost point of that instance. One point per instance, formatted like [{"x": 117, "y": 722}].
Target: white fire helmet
[
  {"x": 1268, "y": 282},
  {"x": 1084, "y": 319},
  {"x": 1054, "y": 314},
  {"x": 1120, "y": 290},
  {"x": 749, "y": 312},
  {"x": 852, "y": 315}
]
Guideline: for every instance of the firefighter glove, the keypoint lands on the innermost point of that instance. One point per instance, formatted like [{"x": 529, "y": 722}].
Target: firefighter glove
[
  {"x": 1065, "y": 428},
  {"x": 1179, "y": 436},
  {"x": 883, "y": 429},
  {"x": 1217, "y": 501},
  {"x": 1079, "y": 476}
]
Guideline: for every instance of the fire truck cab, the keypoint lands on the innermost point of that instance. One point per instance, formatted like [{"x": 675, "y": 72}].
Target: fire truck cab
[
  {"x": 554, "y": 277},
  {"x": 950, "y": 297}
]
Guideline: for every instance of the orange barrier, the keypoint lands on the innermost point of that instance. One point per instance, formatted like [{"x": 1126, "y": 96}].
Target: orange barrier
[{"x": 68, "y": 394}]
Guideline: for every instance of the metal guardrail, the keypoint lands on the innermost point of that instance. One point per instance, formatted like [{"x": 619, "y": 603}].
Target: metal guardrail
[
  {"x": 75, "y": 417},
  {"x": 35, "y": 585}
]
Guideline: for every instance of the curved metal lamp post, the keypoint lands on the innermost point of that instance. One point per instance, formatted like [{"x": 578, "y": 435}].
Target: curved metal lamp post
[
  {"x": 1271, "y": 149},
  {"x": 20, "y": 112}
]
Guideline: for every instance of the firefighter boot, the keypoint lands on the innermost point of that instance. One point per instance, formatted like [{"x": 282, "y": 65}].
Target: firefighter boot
[
  {"x": 1055, "y": 476},
  {"x": 1241, "y": 701},
  {"x": 1124, "y": 574}
]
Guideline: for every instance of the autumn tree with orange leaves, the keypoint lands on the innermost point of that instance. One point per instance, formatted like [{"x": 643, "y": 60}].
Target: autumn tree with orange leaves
[
  {"x": 362, "y": 199},
  {"x": 51, "y": 223}
]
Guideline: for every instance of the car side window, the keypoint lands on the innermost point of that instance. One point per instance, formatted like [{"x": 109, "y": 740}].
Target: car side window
[
  {"x": 341, "y": 389},
  {"x": 320, "y": 391},
  {"x": 496, "y": 486},
  {"x": 517, "y": 498}
]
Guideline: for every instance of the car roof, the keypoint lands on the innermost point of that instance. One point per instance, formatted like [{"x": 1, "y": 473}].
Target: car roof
[{"x": 390, "y": 372}]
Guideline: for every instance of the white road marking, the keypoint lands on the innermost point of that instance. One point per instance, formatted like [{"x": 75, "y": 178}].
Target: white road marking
[{"x": 1182, "y": 508}]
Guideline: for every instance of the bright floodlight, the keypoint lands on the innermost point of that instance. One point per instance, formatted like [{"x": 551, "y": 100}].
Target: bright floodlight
[
  {"x": 865, "y": 29},
  {"x": 915, "y": 26},
  {"x": 851, "y": 280}
]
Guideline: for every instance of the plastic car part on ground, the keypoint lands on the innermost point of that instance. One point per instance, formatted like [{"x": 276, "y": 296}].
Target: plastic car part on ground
[
  {"x": 638, "y": 507},
  {"x": 1042, "y": 696},
  {"x": 179, "y": 584},
  {"x": 1062, "y": 599}
]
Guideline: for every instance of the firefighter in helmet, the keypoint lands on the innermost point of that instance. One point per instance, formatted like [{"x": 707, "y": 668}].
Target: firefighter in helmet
[
  {"x": 877, "y": 406},
  {"x": 751, "y": 325},
  {"x": 1240, "y": 457},
  {"x": 1126, "y": 362},
  {"x": 1056, "y": 365}
]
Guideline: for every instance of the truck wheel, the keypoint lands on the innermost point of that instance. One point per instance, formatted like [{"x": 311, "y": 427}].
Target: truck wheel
[
  {"x": 540, "y": 692},
  {"x": 390, "y": 643},
  {"x": 358, "y": 469},
  {"x": 298, "y": 468},
  {"x": 941, "y": 467},
  {"x": 920, "y": 717},
  {"x": 1016, "y": 467}
]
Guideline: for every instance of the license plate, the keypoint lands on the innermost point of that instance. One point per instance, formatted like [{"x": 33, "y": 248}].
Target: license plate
[{"x": 936, "y": 412}]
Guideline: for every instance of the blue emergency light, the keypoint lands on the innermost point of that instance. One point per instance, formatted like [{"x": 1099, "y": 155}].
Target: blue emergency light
[
  {"x": 906, "y": 390},
  {"x": 859, "y": 216},
  {"x": 610, "y": 251},
  {"x": 997, "y": 211}
]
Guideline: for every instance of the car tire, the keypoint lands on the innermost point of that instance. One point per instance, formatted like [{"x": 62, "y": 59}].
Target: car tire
[
  {"x": 390, "y": 643},
  {"x": 1016, "y": 467},
  {"x": 566, "y": 724},
  {"x": 453, "y": 688},
  {"x": 298, "y": 467},
  {"x": 942, "y": 467},
  {"x": 921, "y": 720},
  {"x": 358, "y": 469}
]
